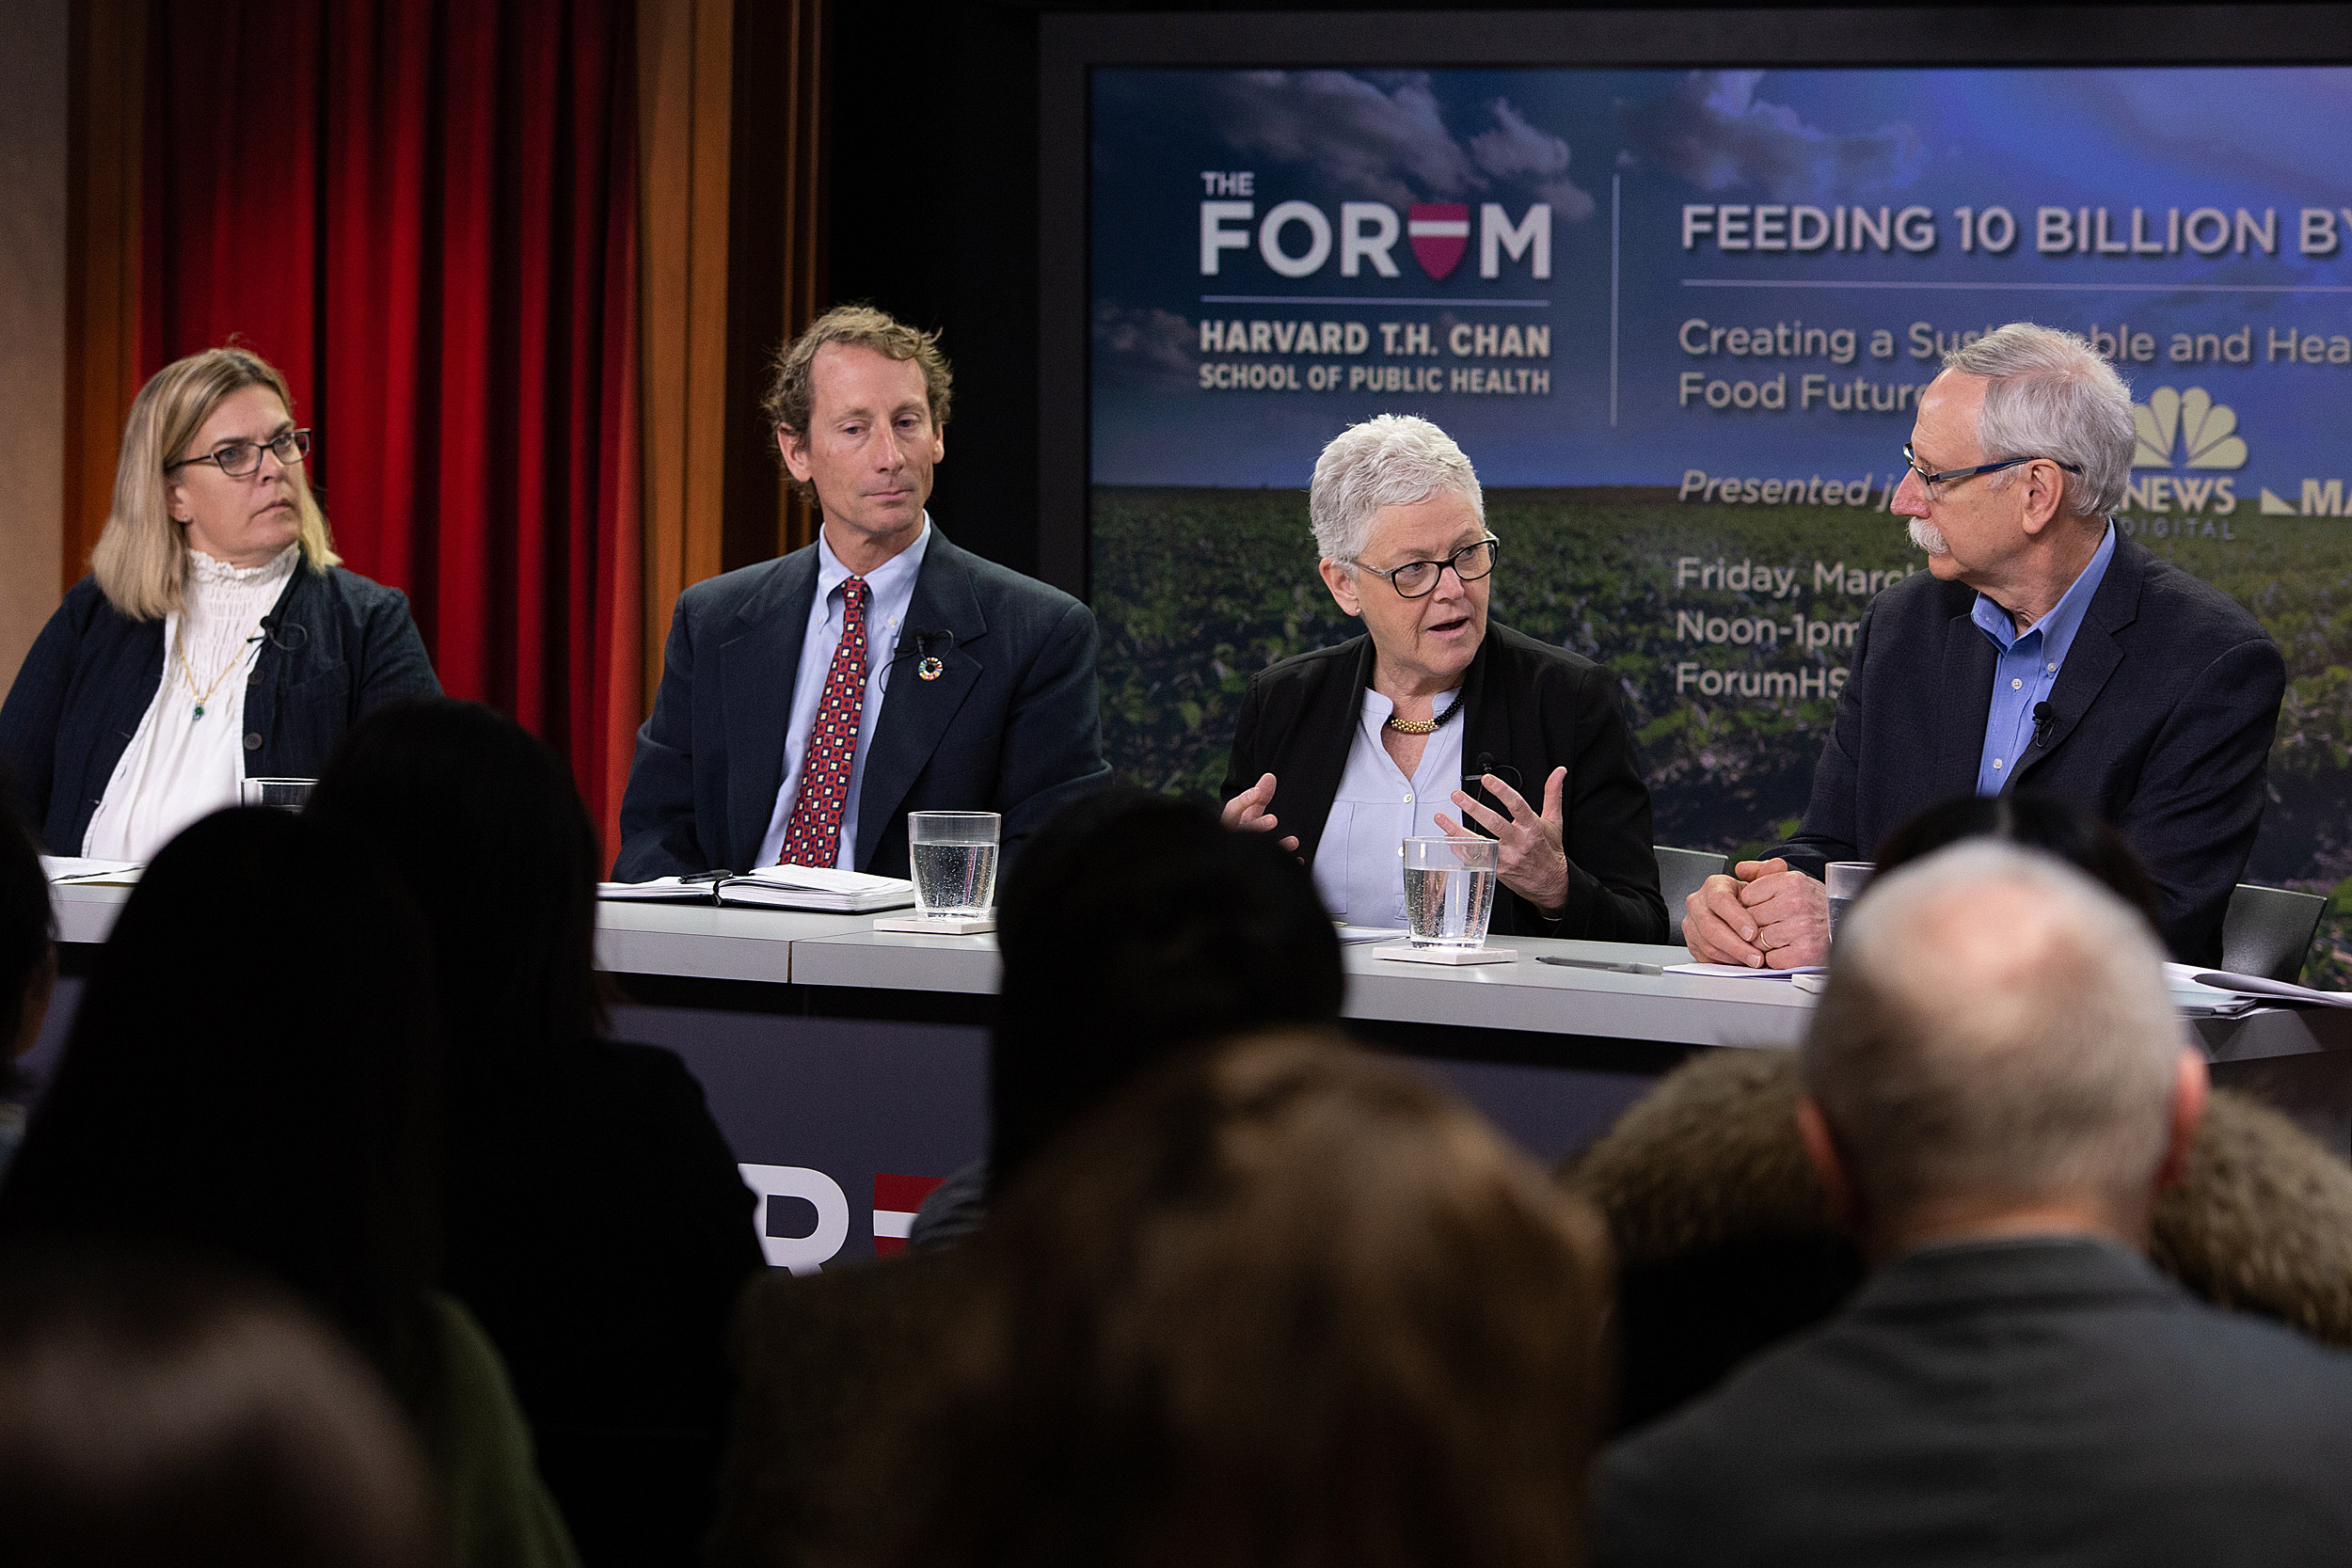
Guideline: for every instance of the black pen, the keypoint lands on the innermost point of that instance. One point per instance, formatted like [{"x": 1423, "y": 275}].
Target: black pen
[
  {"x": 706, "y": 876},
  {"x": 1612, "y": 965}
]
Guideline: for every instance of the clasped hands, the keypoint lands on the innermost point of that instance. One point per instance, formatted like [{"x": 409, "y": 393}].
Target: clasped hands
[
  {"x": 1761, "y": 916},
  {"x": 1532, "y": 864}
]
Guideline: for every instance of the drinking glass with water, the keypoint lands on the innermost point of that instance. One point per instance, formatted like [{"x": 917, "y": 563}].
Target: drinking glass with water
[
  {"x": 1450, "y": 890},
  {"x": 954, "y": 853},
  {"x": 1846, "y": 880}
]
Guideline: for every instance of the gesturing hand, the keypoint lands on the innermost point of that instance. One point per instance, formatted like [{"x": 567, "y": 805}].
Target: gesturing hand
[
  {"x": 1248, "y": 812},
  {"x": 1534, "y": 865}
]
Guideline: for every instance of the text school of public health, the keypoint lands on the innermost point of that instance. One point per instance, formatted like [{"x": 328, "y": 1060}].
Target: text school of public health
[{"x": 907, "y": 1139}]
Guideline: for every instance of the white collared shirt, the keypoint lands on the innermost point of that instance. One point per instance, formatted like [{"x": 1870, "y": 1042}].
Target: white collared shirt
[
  {"x": 1359, "y": 862},
  {"x": 890, "y": 588},
  {"x": 179, "y": 767}
]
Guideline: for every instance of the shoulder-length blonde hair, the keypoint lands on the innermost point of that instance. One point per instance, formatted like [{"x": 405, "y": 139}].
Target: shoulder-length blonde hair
[{"x": 141, "y": 560}]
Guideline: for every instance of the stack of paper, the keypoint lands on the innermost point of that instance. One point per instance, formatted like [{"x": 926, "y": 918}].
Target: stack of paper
[
  {"x": 817, "y": 887},
  {"x": 703, "y": 890},
  {"x": 1742, "y": 971},
  {"x": 820, "y": 888},
  {"x": 2231, "y": 994},
  {"x": 89, "y": 873}
]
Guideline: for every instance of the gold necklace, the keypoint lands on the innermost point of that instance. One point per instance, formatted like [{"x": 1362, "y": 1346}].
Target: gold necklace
[
  {"x": 180, "y": 646},
  {"x": 1423, "y": 726}
]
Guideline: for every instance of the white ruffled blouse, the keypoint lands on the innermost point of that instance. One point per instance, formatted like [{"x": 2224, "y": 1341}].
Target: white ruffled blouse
[{"x": 188, "y": 756}]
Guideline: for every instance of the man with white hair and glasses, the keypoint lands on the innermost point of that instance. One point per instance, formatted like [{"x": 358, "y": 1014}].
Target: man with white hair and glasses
[
  {"x": 1435, "y": 722},
  {"x": 2042, "y": 651},
  {"x": 1996, "y": 1088}
]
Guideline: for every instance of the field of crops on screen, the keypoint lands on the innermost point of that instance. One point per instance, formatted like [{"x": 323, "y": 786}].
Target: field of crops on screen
[{"x": 1199, "y": 589}]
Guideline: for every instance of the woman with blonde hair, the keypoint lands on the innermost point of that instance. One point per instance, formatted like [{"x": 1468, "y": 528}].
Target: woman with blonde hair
[{"x": 216, "y": 637}]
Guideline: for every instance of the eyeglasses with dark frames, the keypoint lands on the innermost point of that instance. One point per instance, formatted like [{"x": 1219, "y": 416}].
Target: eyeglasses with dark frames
[
  {"x": 1953, "y": 476},
  {"x": 1419, "y": 579},
  {"x": 243, "y": 459}
]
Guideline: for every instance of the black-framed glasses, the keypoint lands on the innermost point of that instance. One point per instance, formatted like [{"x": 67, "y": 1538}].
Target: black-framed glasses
[
  {"x": 1417, "y": 578},
  {"x": 1953, "y": 476},
  {"x": 241, "y": 459}
]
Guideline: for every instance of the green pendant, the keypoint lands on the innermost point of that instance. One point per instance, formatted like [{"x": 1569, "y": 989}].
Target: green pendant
[{"x": 199, "y": 710}]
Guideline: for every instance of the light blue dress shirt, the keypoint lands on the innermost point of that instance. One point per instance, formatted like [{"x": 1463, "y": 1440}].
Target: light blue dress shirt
[
  {"x": 2028, "y": 667},
  {"x": 1359, "y": 862},
  {"x": 891, "y": 590}
]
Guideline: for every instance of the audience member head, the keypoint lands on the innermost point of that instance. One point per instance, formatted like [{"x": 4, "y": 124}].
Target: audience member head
[
  {"x": 2043, "y": 822},
  {"x": 28, "y": 929},
  {"x": 1285, "y": 1303},
  {"x": 1722, "y": 1237},
  {"x": 154, "y": 1413},
  {"x": 1134, "y": 925},
  {"x": 250, "y": 1076},
  {"x": 2262, "y": 1220},
  {"x": 482, "y": 824},
  {"x": 1995, "y": 1054},
  {"x": 175, "y": 487}
]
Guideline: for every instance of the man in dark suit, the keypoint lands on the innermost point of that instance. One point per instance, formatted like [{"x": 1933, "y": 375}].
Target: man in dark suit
[
  {"x": 1997, "y": 1088},
  {"x": 2040, "y": 652},
  {"x": 808, "y": 703}
]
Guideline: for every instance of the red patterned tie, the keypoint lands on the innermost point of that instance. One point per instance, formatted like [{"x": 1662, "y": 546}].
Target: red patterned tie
[{"x": 812, "y": 837}]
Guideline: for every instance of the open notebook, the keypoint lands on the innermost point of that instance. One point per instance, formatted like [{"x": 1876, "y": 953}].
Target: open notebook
[{"x": 782, "y": 887}]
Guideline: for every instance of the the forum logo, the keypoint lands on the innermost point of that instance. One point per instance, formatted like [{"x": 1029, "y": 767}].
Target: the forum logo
[{"x": 2201, "y": 431}]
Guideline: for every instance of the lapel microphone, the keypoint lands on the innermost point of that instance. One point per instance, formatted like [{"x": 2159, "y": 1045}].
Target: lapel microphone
[{"x": 2042, "y": 720}]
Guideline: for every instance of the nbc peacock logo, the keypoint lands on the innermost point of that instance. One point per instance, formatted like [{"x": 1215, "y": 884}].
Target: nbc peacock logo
[
  {"x": 2179, "y": 430},
  {"x": 2185, "y": 430}
]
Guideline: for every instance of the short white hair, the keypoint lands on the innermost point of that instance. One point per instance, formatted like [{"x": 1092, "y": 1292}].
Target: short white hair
[
  {"x": 1996, "y": 1025},
  {"x": 2052, "y": 395},
  {"x": 1389, "y": 460}
]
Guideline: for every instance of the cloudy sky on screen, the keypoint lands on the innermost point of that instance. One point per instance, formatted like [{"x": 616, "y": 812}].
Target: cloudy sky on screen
[{"x": 2156, "y": 140}]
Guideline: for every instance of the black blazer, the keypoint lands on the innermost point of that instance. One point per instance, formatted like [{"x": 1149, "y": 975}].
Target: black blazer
[
  {"x": 336, "y": 645},
  {"x": 1012, "y": 725},
  {"x": 2044, "y": 1401},
  {"x": 1529, "y": 708},
  {"x": 2163, "y": 718}
]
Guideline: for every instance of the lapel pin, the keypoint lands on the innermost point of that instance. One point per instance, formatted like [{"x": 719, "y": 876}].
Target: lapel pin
[{"x": 930, "y": 669}]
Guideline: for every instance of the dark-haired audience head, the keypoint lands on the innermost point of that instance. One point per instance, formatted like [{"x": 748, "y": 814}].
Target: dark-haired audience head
[
  {"x": 482, "y": 822},
  {"x": 1997, "y": 1052},
  {"x": 1131, "y": 926},
  {"x": 2055, "y": 827},
  {"x": 1281, "y": 1302},
  {"x": 250, "y": 1075},
  {"x": 28, "y": 929},
  {"x": 155, "y": 1413}
]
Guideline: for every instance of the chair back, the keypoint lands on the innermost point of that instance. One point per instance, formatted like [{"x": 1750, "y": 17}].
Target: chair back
[
  {"x": 2267, "y": 930},
  {"x": 1680, "y": 874}
]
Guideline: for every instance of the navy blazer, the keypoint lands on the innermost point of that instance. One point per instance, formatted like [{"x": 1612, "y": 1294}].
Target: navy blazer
[
  {"x": 1013, "y": 723},
  {"x": 335, "y": 645},
  {"x": 2162, "y": 715},
  {"x": 2043, "y": 1400},
  {"x": 1528, "y": 707}
]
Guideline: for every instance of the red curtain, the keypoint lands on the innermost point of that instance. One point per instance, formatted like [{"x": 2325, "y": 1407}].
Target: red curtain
[{"x": 425, "y": 212}]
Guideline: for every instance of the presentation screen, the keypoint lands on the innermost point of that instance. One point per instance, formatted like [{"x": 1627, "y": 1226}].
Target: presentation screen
[{"x": 1679, "y": 321}]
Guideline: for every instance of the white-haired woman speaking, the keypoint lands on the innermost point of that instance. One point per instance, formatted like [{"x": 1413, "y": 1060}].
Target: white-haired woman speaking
[
  {"x": 1400, "y": 732},
  {"x": 216, "y": 638}
]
